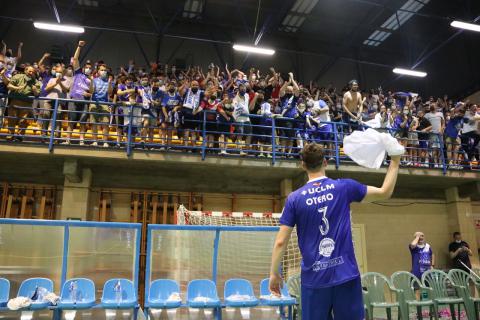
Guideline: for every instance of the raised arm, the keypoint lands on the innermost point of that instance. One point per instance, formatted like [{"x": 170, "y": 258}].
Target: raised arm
[
  {"x": 42, "y": 59},
  {"x": 284, "y": 87},
  {"x": 19, "y": 52},
  {"x": 296, "y": 89},
  {"x": 183, "y": 89},
  {"x": 252, "y": 103},
  {"x": 386, "y": 190},
  {"x": 414, "y": 243},
  {"x": 76, "y": 56}
]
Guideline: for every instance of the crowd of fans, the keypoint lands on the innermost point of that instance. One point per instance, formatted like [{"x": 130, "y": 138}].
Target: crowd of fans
[{"x": 237, "y": 105}]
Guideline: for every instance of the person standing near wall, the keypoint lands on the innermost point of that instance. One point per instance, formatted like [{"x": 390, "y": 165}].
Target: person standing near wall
[
  {"x": 423, "y": 258},
  {"x": 460, "y": 253}
]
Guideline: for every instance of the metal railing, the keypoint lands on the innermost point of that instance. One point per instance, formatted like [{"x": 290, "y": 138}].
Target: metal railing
[{"x": 131, "y": 127}]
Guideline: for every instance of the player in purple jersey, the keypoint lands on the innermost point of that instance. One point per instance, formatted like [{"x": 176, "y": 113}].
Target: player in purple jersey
[{"x": 321, "y": 212}]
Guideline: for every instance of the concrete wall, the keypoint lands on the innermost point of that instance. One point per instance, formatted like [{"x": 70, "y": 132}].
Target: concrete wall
[{"x": 389, "y": 229}]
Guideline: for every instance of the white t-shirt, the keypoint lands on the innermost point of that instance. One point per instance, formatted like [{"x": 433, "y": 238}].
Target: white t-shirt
[
  {"x": 240, "y": 107},
  {"x": 378, "y": 120},
  {"x": 435, "y": 119},
  {"x": 57, "y": 92},
  {"x": 471, "y": 125},
  {"x": 324, "y": 116}
]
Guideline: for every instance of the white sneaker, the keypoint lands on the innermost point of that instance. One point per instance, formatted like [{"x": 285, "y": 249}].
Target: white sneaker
[
  {"x": 66, "y": 142},
  {"x": 105, "y": 145},
  {"x": 82, "y": 143},
  {"x": 243, "y": 153},
  {"x": 95, "y": 144},
  {"x": 223, "y": 152}
]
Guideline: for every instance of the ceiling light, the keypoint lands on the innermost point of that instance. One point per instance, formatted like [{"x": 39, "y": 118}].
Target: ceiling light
[
  {"x": 408, "y": 72},
  {"x": 252, "y": 49},
  {"x": 58, "y": 27},
  {"x": 466, "y": 26}
]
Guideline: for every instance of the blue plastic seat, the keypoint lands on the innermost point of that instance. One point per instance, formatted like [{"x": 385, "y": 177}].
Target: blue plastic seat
[
  {"x": 160, "y": 291},
  {"x": 85, "y": 297},
  {"x": 28, "y": 289},
  {"x": 4, "y": 292},
  {"x": 285, "y": 300},
  {"x": 202, "y": 294},
  {"x": 128, "y": 295},
  {"x": 239, "y": 287}
]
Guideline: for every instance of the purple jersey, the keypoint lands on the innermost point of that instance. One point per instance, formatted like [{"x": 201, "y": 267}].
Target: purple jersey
[
  {"x": 321, "y": 211},
  {"x": 171, "y": 101},
  {"x": 421, "y": 259},
  {"x": 125, "y": 97},
  {"x": 46, "y": 76},
  {"x": 289, "y": 106},
  {"x": 81, "y": 83}
]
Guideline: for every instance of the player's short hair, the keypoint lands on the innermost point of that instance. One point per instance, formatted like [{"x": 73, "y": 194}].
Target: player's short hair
[
  {"x": 312, "y": 156},
  {"x": 456, "y": 233}
]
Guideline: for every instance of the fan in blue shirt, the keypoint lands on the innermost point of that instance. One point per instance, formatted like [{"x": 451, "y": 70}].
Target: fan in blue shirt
[
  {"x": 321, "y": 212},
  {"x": 452, "y": 136}
]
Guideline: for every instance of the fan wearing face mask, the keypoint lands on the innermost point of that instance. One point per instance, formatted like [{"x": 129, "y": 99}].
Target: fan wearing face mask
[
  {"x": 192, "y": 97},
  {"x": 80, "y": 90},
  {"x": 21, "y": 86},
  {"x": 460, "y": 253},
  {"x": 171, "y": 104},
  {"x": 57, "y": 87},
  {"x": 101, "y": 90},
  {"x": 212, "y": 107}
]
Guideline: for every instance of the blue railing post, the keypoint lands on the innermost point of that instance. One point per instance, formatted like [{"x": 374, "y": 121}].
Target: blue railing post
[
  {"x": 442, "y": 155},
  {"x": 274, "y": 137},
  {"x": 54, "y": 125},
  {"x": 129, "y": 134},
  {"x": 337, "y": 149},
  {"x": 204, "y": 135},
  {"x": 66, "y": 240},
  {"x": 215, "y": 255}
]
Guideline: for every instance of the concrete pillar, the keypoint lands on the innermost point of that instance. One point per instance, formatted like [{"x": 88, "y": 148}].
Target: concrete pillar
[
  {"x": 76, "y": 197},
  {"x": 460, "y": 219},
  {"x": 286, "y": 187}
]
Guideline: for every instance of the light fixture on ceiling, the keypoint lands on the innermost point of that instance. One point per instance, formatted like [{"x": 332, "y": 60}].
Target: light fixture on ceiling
[
  {"x": 253, "y": 49},
  {"x": 408, "y": 72},
  {"x": 465, "y": 26},
  {"x": 59, "y": 27}
]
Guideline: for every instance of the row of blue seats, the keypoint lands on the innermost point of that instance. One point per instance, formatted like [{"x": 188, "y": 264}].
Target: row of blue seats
[
  {"x": 161, "y": 290},
  {"x": 76, "y": 294},
  {"x": 121, "y": 294}
]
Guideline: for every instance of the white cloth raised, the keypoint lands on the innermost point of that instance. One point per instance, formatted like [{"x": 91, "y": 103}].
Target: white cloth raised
[{"x": 368, "y": 148}]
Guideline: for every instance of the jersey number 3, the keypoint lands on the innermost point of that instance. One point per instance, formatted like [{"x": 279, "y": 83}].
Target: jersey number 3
[{"x": 325, "y": 226}]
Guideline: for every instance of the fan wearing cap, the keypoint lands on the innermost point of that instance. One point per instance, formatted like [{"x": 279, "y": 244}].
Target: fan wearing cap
[{"x": 352, "y": 106}]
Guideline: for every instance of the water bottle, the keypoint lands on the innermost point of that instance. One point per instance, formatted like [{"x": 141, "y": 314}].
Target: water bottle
[
  {"x": 118, "y": 291},
  {"x": 73, "y": 291}
]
